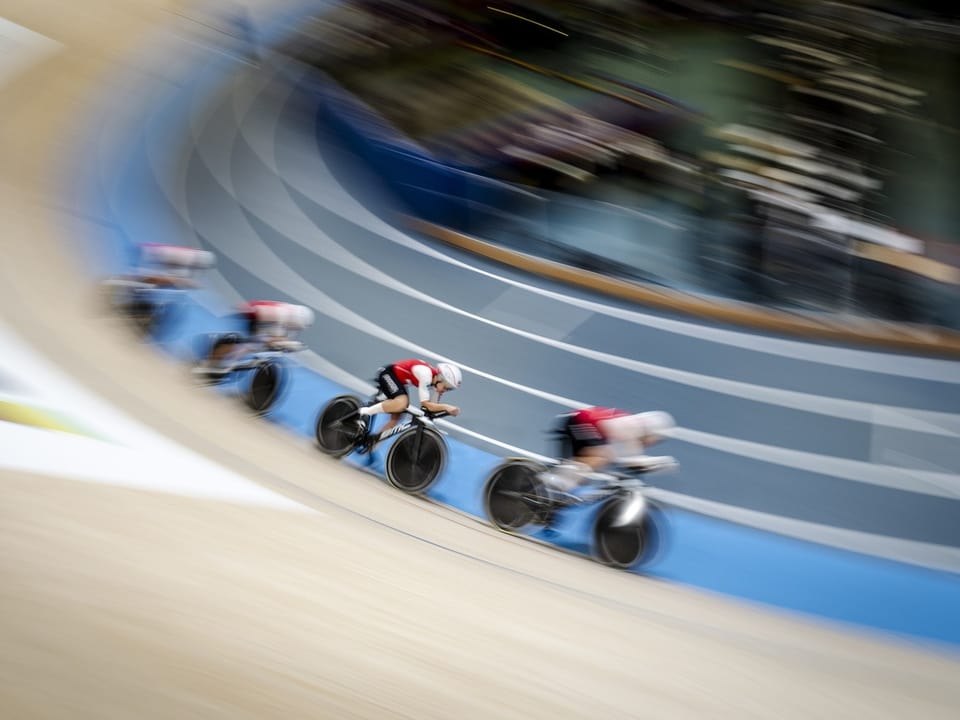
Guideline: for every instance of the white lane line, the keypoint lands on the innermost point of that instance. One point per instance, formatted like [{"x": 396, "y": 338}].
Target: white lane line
[
  {"x": 282, "y": 214},
  {"x": 914, "y": 552},
  {"x": 927, "y": 482},
  {"x": 338, "y": 201},
  {"x": 132, "y": 455}
]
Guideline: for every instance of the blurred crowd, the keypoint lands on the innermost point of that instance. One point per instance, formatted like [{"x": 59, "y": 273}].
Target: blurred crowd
[{"x": 804, "y": 181}]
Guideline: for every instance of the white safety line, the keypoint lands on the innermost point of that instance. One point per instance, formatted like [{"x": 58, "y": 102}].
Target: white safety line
[{"x": 929, "y": 555}]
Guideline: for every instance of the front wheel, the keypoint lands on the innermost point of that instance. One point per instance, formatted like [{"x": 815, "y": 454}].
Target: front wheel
[
  {"x": 337, "y": 430},
  {"x": 628, "y": 546},
  {"x": 514, "y": 496},
  {"x": 265, "y": 386},
  {"x": 416, "y": 459}
]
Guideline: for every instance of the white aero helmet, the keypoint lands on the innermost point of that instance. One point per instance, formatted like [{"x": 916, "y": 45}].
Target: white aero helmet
[
  {"x": 177, "y": 256},
  {"x": 294, "y": 317},
  {"x": 657, "y": 424},
  {"x": 450, "y": 373},
  {"x": 645, "y": 427}
]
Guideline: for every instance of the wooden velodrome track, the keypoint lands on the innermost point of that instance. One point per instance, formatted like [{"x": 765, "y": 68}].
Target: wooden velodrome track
[{"x": 116, "y": 603}]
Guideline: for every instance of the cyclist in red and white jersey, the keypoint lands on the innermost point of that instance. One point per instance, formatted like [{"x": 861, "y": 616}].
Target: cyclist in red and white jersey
[
  {"x": 595, "y": 437},
  {"x": 171, "y": 266},
  {"x": 430, "y": 382},
  {"x": 269, "y": 325}
]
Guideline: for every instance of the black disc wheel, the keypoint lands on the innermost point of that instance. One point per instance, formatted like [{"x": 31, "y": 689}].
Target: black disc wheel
[
  {"x": 265, "y": 387},
  {"x": 514, "y": 496},
  {"x": 337, "y": 430},
  {"x": 628, "y": 546},
  {"x": 416, "y": 459}
]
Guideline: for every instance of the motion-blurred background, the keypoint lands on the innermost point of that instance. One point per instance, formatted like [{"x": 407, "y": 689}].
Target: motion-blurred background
[{"x": 794, "y": 154}]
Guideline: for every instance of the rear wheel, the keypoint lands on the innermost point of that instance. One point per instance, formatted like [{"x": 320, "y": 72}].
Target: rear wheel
[
  {"x": 628, "y": 546},
  {"x": 265, "y": 387},
  {"x": 337, "y": 430},
  {"x": 515, "y": 497},
  {"x": 416, "y": 459}
]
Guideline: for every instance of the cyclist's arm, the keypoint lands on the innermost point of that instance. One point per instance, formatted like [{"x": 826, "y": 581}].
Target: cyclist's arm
[
  {"x": 429, "y": 398},
  {"x": 424, "y": 377},
  {"x": 435, "y": 407}
]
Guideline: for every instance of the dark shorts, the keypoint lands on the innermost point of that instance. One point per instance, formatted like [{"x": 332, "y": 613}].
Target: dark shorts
[
  {"x": 249, "y": 324},
  {"x": 575, "y": 437},
  {"x": 388, "y": 384}
]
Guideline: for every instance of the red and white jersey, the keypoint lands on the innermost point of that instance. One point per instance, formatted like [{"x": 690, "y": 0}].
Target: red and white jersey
[
  {"x": 588, "y": 423},
  {"x": 273, "y": 312},
  {"x": 419, "y": 374},
  {"x": 176, "y": 256}
]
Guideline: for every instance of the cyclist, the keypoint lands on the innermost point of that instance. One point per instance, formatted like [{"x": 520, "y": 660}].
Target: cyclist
[
  {"x": 593, "y": 438},
  {"x": 269, "y": 324},
  {"x": 152, "y": 291},
  {"x": 170, "y": 266},
  {"x": 392, "y": 381}
]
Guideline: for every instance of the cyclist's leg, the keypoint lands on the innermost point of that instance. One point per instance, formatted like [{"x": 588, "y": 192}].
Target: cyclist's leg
[
  {"x": 394, "y": 417},
  {"x": 586, "y": 454},
  {"x": 595, "y": 456},
  {"x": 395, "y": 398}
]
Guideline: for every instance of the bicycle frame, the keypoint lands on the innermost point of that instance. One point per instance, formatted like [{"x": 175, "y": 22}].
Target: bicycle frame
[
  {"x": 416, "y": 417},
  {"x": 624, "y": 483},
  {"x": 395, "y": 430}
]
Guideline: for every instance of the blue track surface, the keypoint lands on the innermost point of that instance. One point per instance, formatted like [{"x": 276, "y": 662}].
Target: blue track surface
[{"x": 703, "y": 552}]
